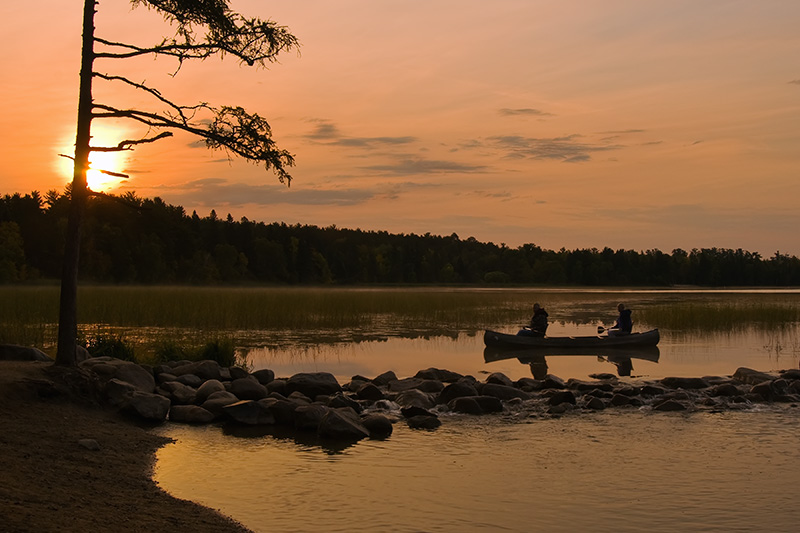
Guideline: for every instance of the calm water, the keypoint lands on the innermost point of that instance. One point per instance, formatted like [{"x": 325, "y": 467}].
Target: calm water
[{"x": 623, "y": 470}]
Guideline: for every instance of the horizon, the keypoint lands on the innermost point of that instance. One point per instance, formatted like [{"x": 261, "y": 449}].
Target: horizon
[{"x": 624, "y": 125}]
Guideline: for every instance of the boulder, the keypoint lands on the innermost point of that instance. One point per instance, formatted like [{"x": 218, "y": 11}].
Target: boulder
[
  {"x": 476, "y": 405},
  {"x": 504, "y": 392},
  {"x": 564, "y": 396},
  {"x": 309, "y": 417},
  {"x": 12, "y": 352},
  {"x": 369, "y": 391},
  {"x": 277, "y": 386},
  {"x": 147, "y": 405},
  {"x": 249, "y": 412},
  {"x": 378, "y": 425},
  {"x": 583, "y": 386},
  {"x": 424, "y": 385},
  {"x": 725, "y": 389},
  {"x": 437, "y": 374},
  {"x": 217, "y": 401},
  {"x": 204, "y": 369},
  {"x": 342, "y": 424},
  {"x": 489, "y": 404},
  {"x": 341, "y": 400},
  {"x": 456, "y": 390},
  {"x": 208, "y": 388},
  {"x": 190, "y": 414},
  {"x": 529, "y": 384},
  {"x": 595, "y": 403},
  {"x": 752, "y": 377},
  {"x": 684, "y": 383},
  {"x": 190, "y": 380},
  {"x": 299, "y": 398},
  {"x": 652, "y": 390},
  {"x": 117, "y": 391},
  {"x": 384, "y": 379},
  {"x": 282, "y": 409},
  {"x": 237, "y": 372},
  {"x": 424, "y": 422},
  {"x": 409, "y": 412},
  {"x": 669, "y": 405},
  {"x": 109, "y": 368},
  {"x": 415, "y": 398},
  {"x": 553, "y": 382},
  {"x": 248, "y": 389},
  {"x": 264, "y": 376},
  {"x": 620, "y": 399},
  {"x": 313, "y": 384},
  {"x": 500, "y": 379},
  {"x": 179, "y": 393}
]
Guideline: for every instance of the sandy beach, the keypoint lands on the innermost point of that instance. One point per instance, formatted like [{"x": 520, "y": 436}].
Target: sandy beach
[{"x": 53, "y": 482}]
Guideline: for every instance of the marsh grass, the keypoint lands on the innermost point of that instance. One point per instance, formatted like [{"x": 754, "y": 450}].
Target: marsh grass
[{"x": 194, "y": 317}]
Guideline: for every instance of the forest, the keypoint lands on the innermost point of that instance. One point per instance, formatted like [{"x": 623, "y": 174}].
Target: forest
[{"x": 133, "y": 240}]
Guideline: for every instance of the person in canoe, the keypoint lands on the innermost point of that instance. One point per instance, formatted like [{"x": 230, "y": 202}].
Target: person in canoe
[
  {"x": 538, "y": 325},
  {"x": 624, "y": 324}
]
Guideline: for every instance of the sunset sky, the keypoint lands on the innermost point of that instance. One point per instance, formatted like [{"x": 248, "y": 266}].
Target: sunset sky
[{"x": 623, "y": 123}]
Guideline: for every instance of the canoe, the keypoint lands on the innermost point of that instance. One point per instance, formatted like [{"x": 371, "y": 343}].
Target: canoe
[{"x": 495, "y": 339}]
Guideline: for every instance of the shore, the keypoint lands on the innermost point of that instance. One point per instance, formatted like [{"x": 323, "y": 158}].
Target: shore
[{"x": 54, "y": 481}]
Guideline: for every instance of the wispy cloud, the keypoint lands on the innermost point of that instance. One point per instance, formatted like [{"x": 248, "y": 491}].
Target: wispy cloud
[
  {"x": 327, "y": 132},
  {"x": 524, "y": 111},
  {"x": 569, "y": 149},
  {"x": 795, "y": 82},
  {"x": 425, "y": 166}
]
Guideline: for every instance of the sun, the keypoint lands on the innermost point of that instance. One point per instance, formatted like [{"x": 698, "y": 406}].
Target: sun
[{"x": 113, "y": 162}]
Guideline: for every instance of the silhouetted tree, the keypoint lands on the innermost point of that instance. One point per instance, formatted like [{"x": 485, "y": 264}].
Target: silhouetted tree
[{"x": 204, "y": 28}]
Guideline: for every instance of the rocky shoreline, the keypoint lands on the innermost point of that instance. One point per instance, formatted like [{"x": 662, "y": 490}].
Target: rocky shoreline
[{"x": 203, "y": 392}]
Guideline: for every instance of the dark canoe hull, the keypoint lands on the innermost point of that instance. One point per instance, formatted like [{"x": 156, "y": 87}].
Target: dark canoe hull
[{"x": 504, "y": 341}]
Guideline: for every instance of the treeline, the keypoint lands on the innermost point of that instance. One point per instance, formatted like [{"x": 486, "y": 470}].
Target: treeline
[{"x": 128, "y": 239}]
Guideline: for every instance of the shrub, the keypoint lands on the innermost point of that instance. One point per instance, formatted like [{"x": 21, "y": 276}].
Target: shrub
[{"x": 109, "y": 345}]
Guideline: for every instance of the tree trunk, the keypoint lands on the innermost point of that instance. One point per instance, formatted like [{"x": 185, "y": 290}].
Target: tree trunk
[{"x": 68, "y": 309}]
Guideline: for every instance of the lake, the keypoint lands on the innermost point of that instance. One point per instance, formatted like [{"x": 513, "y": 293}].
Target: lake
[{"x": 619, "y": 469}]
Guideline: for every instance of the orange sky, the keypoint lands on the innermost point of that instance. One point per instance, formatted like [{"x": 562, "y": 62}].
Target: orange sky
[{"x": 658, "y": 124}]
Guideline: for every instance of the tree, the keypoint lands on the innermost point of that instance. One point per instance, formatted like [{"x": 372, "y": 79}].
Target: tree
[{"x": 204, "y": 28}]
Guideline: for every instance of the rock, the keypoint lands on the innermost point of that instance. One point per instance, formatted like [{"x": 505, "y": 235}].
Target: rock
[
  {"x": 604, "y": 376},
  {"x": 341, "y": 400},
  {"x": 278, "y": 385},
  {"x": 424, "y": 385},
  {"x": 89, "y": 444},
  {"x": 620, "y": 399},
  {"x": 204, "y": 369},
  {"x": 12, "y": 352},
  {"x": 684, "y": 383},
  {"x": 299, "y": 398},
  {"x": 147, "y": 405},
  {"x": 384, "y": 379},
  {"x": 117, "y": 391},
  {"x": 565, "y": 396},
  {"x": 378, "y": 425},
  {"x": 456, "y": 390},
  {"x": 179, "y": 393},
  {"x": 529, "y": 384},
  {"x": 208, "y": 388},
  {"x": 466, "y": 404},
  {"x": 249, "y": 412},
  {"x": 437, "y": 374},
  {"x": 553, "y": 382},
  {"x": 309, "y": 417},
  {"x": 217, "y": 401},
  {"x": 237, "y": 372},
  {"x": 559, "y": 409},
  {"x": 163, "y": 377},
  {"x": 369, "y": 391},
  {"x": 424, "y": 422},
  {"x": 725, "y": 389},
  {"x": 313, "y": 384},
  {"x": 489, "y": 404},
  {"x": 595, "y": 403},
  {"x": 190, "y": 414},
  {"x": 791, "y": 374},
  {"x": 500, "y": 379},
  {"x": 109, "y": 368},
  {"x": 282, "y": 409},
  {"x": 248, "y": 389},
  {"x": 342, "y": 424},
  {"x": 414, "y": 397},
  {"x": 409, "y": 412},
  {"x": 669, "y": 405},
  {"x": 504, "y": 392},
  {"x": 264, "y": 376},
  {"x": 583, "y": 386},
  {"x": 751, "y": 377},
  {"x": 190, "y": 379}
]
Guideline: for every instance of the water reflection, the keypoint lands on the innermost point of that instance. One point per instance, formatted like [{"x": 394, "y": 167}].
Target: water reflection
[
  {"x": 536, "y": 358},
  {"x": 302, "y": 439}
]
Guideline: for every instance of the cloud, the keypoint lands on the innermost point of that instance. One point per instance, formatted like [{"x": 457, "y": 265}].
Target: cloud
[
  {"x": 425, "y": 166},
  {"x": 525, "y": 111},
  {"x": 327, "y": 132},
  {"x": 569, "y": 149},
  {"x": 795, "y": 82},
  {"x": 220, "y": 192}
]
